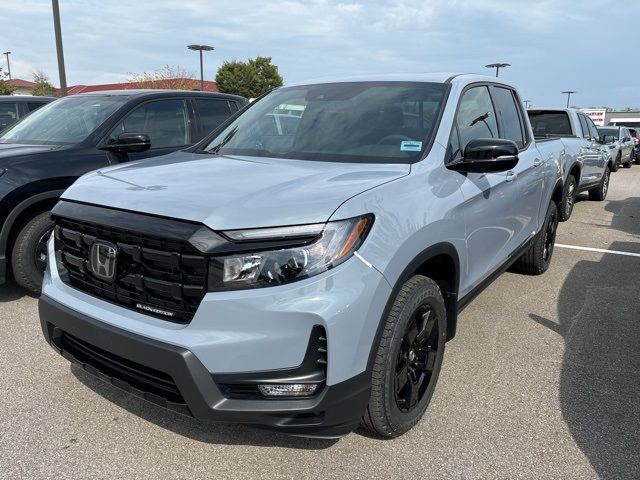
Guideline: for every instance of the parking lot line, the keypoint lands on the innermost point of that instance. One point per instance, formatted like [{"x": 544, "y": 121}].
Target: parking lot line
[{"x": 599, "y": 250}]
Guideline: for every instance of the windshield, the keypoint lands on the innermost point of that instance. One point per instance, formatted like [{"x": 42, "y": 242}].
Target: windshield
[
  {"x": 609, "y": 132},
  {"x": 66, "y": 121},
  {"x": 350, "y": 122}
]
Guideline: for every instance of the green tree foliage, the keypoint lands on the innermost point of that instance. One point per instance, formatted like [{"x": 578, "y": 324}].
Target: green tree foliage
[
  {"x": 5, "y": 88},
  {"x": 249, "y": 79},
  {"x": 43, "y": 87}
]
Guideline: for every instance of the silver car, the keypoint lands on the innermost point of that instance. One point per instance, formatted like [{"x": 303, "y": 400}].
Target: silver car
[{"x": 620, "y": 144}]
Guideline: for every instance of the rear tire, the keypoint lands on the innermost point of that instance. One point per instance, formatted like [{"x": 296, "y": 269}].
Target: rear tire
[
  {"x": 568, "y": 198},
  {"x": 28, "y": 255},
  {"x": 600, "y": 192},
  {"x": 536, "y": 260},
  {"x": 408, "y": 358}
]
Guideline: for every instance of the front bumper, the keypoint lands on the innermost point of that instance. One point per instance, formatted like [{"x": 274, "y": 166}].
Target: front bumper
[{"x": 174, "y": 378}]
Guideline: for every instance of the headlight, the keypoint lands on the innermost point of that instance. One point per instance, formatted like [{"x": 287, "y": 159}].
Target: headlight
[{"x": 329, "y": 246}]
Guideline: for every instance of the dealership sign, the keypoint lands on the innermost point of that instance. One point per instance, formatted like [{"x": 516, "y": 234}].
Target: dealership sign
[{"x": 597, "y": 115}]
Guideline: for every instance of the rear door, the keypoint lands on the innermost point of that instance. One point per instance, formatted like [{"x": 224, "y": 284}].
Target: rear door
[{"x": 527, "y": 185}]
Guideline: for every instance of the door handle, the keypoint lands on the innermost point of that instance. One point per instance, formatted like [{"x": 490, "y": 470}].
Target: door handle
[{"x": 511, "y": 176}]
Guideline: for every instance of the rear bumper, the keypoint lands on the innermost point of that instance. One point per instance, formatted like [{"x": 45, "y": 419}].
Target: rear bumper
[{"x": 173, "y": 377}]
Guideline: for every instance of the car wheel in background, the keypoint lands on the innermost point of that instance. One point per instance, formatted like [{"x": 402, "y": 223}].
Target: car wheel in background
[
  {"x": 616, "y": 164},
  {"x": 408, "y": 358},
  {"x": 536, "y": 260},
  {"x": 568, "y": 198},
  {"x": 29, "y": 252},
  {"x": 600, "y": 192}
]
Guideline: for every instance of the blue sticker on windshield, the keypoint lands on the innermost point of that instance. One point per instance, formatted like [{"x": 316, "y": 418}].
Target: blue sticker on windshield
[{"x": 410, "y": 146}]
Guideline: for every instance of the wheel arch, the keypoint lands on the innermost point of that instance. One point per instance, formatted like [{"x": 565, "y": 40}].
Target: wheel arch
[
  {"x": 441, "y": 263},
  {"x": 26, "y": 208}
]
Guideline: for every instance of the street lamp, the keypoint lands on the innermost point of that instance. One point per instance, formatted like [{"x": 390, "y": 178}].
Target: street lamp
[
  {"x": 58, "y": 34},
  {"x": 8, "y": 66},
  {"x": 201, "y": 48},
  {"x": 568, "y": 94},
  {"x": 527, "y": 103},
  {"x": 498, "y": 66}
]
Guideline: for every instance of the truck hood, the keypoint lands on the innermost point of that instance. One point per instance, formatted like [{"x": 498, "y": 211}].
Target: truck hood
[{"x": 230, "y": 192}]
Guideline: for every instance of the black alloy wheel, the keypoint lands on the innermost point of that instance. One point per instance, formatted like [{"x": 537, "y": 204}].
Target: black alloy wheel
[{"x": 416, "y": 358}]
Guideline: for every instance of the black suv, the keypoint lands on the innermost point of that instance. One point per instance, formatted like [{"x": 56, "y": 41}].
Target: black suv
[
  {"x": 13, "y": 108},
  {"x": 43, "y": 154},
  {"x": 635, "y": 136}
]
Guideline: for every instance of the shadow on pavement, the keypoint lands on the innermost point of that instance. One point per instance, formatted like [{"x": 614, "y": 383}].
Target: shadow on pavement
[
  {"x": 626, "y": 215},
  {"x": 10, "y": 292},
  {"x": 599, "y": 318},
  {"x": 201, "y": 431}
]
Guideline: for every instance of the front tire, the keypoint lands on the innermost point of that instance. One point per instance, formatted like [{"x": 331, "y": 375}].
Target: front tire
[
  {"x": 408, "y": 358},
  {"x": 600, "y": 192},
  {"x": 29, "y": 252},
  {"x": 568, "y": 199},
  {"x": 536, "y": 260},
  {"x": 616, "y": 163}
]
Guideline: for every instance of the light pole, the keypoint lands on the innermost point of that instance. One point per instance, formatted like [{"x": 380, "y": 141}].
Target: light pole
[
  {"x": 568, "y": 94},
  {"x": 201, "y": 48},
  {"x": 527, "y": 103},
  {"x": 8, "y": 66},
  {"x": 498, "y": 66},
  {"x": 58, "y": 33}
]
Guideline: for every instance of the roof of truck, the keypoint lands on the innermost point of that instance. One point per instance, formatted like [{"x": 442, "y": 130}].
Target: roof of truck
[{"x": 436, "y": 77}]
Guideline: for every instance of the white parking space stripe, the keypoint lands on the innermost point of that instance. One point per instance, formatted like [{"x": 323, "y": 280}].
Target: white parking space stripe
[{"x": 599, "y": 250}]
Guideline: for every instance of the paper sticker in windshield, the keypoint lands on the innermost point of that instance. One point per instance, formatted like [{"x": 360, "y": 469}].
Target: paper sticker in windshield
[{"x": 410, "y": 146}]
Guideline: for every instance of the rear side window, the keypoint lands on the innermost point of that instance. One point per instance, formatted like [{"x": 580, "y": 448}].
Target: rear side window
[
  {"x": 211, "y": 114},
  {"x": 593, "y": 131},
  {"x": 509, "y": 115},
  {"x": 31, "y": 106},
  {"x": 165, "y": 121},
  {"x": 476, "y": 118},
  {"x": 8, "y": 114},
  {"x": 545, "y": 124},
  {"x": 584, "y": 126}
]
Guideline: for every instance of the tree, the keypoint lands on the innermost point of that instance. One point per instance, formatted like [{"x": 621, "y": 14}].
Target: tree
[
  {"x": 169, "y": 77},
  {"x": 249, "y": 79},
  {"x": 5, "y": 88},
  {"x": 43, "y": 86}
]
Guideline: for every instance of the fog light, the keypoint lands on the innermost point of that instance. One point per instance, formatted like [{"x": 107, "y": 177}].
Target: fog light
[{"x": 288, "y": 389}]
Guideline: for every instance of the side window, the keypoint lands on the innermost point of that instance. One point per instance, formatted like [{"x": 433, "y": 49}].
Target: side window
[
  {"x": 476, "y": 118},
  {"x": 165, "y": 121},
  {"x": 584, "y": 126},
  {"x": 31, "y": 106},
  {"x": 593, "y": 131},
  {"x": 8, "y": 114},
  {"x": 509, "y": 114},
  {"x": 212, "y": 113}
]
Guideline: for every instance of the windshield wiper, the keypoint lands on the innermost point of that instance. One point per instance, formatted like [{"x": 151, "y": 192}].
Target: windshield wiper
[{"x": 226, "y": 140}]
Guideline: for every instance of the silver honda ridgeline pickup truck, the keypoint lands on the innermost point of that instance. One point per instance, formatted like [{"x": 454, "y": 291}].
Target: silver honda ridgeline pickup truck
[{"x": 302, "y": 268}]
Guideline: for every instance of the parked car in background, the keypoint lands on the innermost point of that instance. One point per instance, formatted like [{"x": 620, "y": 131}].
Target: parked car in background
[
  {"x": 635, "y": 136},
  {"x": 620, "y": 144},
  {"x": 304, "y": 275},
  {"x": 47, "y": 151},
  {"x": 585, "y": 166},
  {"x": 14, "y": 107}
]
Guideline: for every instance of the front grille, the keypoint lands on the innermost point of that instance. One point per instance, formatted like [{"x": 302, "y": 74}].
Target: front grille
[{"x": 162, "y": 278}]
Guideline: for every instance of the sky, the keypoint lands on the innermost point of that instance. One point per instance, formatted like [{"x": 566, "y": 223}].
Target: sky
[{"x": 553, "y": 45}]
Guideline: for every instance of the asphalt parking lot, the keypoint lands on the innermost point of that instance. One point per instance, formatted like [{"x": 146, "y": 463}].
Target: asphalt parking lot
[{"x": 542, "y": 381}]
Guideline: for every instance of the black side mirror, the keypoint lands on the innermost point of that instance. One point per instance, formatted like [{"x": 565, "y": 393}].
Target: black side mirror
[
  {"x": 130, "y": 143},
  {"x": 486, "y": 155}
]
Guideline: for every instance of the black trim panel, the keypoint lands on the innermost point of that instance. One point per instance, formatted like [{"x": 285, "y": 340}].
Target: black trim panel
[{"x": 333, "y": 412}]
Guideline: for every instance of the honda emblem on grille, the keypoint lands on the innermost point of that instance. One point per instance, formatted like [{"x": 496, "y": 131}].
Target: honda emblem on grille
[{"x": 103, "y": 260}]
